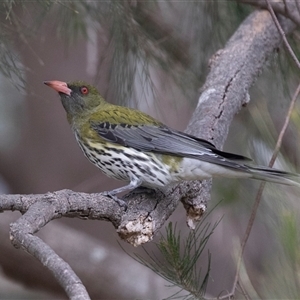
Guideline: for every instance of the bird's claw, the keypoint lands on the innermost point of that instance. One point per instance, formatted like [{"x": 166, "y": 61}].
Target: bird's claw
[{"x": 120, "y": 202}]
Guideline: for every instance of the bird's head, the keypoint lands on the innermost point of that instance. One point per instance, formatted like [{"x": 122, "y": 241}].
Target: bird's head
[{"x": 77, "y": 97}]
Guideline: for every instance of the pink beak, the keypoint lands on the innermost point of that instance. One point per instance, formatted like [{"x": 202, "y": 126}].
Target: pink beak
[{"x": 59, "y": 86}]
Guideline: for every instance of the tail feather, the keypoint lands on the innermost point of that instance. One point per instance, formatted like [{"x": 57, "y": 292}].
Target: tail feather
[{"x": 273, "y": 175}]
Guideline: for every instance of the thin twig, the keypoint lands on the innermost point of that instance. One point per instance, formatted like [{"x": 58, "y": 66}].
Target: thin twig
[
  {"x": 244, "y": 292},
  {"x": 273, "y": 158},
  {"x": 261, "y": 188},
  {"x": 282, "y": 33},
  {"x": 284, "y": 127}
]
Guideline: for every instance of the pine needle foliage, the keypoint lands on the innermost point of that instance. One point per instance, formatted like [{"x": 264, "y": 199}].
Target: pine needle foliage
[
  {"x": 10, "y": 65},
  {"x": 143, "y": 36},
  {"x": 179, "y": 259}
]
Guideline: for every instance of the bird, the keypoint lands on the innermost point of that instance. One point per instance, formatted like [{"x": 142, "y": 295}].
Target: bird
[{"x": 129, "y": 145}]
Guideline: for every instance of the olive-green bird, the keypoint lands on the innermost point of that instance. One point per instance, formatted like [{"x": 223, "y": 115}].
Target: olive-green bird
[{"x": 127, "y": 144}]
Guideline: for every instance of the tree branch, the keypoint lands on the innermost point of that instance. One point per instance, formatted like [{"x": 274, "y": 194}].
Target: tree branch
[
  {"x": 90, "y": 257},
  {"x": 289, "y": 9},
  {"x": 233, "y": 70}
]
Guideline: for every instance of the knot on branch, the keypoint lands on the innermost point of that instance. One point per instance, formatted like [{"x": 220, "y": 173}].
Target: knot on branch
[{"x": 138, "y": 231}]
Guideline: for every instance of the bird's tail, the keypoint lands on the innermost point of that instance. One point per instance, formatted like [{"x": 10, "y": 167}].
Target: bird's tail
[{"x": 273, "y": 175}]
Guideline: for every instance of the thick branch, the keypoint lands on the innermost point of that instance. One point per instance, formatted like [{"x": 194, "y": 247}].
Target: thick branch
[
  {"x": 146, "y": 213},
  {"x": 89, "y": 257},
  {"x": 289, "y": 9},
  {"x": 233, "y": 70},
  {"x": 40, "y": 209},
  {"x": 22, "y": 236}
]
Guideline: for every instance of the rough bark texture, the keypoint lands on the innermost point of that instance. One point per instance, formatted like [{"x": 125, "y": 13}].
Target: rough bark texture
[{"x": 233, "y": 70}]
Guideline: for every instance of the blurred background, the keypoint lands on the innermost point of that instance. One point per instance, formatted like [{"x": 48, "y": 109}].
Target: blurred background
[{"x": 152, "y": 56}]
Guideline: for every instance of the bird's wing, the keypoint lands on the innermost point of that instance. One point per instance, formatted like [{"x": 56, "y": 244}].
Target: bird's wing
[{"x": 163, "y": 140}]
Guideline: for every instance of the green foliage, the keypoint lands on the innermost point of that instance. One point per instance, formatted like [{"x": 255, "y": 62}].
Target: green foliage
[
  {"x": 282, "y": 265},
  {"x": 290, "y": 238},
  {"x": 71, "y": 17},
  {"x": 21, "y": 19},
  {"x": 142, "y": 36},
  {"x": 10, "y": 65},
  {"x": 179, "y": 256}
]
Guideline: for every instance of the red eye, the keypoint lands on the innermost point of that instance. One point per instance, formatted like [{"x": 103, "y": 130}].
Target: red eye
[{"x": 84, "y": 90}]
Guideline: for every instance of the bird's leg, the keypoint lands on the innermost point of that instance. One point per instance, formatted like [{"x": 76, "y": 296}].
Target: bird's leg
[
  {"x": 120, "y": 202},
  {"x": 134, "y": 183}
]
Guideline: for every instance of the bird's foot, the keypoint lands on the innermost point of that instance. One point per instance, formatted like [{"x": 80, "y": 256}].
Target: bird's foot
[{"x": 120, "y": 202}]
